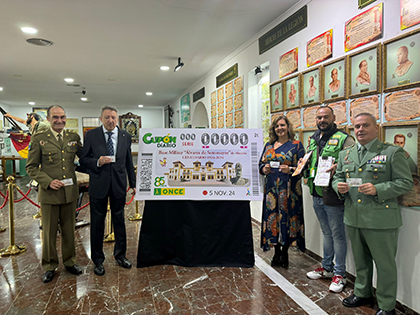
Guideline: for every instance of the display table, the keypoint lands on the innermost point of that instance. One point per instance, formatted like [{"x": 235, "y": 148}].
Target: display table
[{"x": 196, "y": 234}]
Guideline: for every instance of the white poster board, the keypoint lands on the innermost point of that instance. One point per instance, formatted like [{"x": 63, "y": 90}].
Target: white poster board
[{"x": 199, "y": 164}]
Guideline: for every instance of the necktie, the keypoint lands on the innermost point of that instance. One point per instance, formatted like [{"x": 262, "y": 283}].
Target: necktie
[
  {"x": 60, "y": 140},
  {"x": 110, "y": 144},
  {"x": 362, "y": 152}
]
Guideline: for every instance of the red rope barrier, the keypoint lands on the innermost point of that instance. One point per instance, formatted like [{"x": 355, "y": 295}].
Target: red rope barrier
[
  {"x": 82, "y": 207},
  {"x": 23, "y": 197},
  {"x": 1, "y": 194},
  {"x": 127, "y": 203},
  {"x": 6, "y": 198},
  {"x": 35, "y": 204}
]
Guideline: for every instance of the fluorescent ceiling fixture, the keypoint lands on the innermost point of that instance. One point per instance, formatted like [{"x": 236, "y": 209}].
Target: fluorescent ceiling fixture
[
  {"x": 29, "y": 30},
  {"x": 84, "y": 99},
  {"x": 1, "y": 88},
  {"x": 31, "y": 103},
  {"x": 69, "y": 80},
  {"x": 164, "y": 68},
  {"x": 140, "y": 106},
  {"x": 149, "y": 93}
]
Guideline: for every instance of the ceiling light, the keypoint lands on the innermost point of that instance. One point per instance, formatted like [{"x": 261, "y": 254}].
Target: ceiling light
[
  {"x": 31, "y": 103},
  {"x": 1, "y": 88},
  {"x": 140, "y": 106},
  {"x": 69, "y": 80},
  {"x": 84, "y": 99},
  {"x": 164, "y": 68},
  {"x": 149, "y": 93},
  {"x": 179, "y": 65},
  {"x": 29, "y": 30},
  {"x": 39, "y": 42}
]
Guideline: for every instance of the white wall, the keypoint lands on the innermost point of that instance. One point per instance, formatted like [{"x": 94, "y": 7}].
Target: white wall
[{"x": 322, "y": 16}]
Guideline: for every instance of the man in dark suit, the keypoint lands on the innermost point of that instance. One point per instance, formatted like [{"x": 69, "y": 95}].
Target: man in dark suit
[
  {"x": 370, "y": 176},
  {"x": 51, "y": 163},
  {"x": 107, "y": 157}
]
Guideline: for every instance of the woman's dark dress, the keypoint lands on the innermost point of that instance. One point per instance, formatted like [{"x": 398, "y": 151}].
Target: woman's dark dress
[{"x": 282, "y": 205}]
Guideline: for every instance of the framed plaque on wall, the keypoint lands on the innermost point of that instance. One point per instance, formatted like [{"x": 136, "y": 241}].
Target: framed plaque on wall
[{"x": 131, "y": 123}]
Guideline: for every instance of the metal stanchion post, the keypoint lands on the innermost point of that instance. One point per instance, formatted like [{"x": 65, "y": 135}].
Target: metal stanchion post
[
  {"x": 38, "y": 214},
  {"x": 12, "y": 249},
  {"x": 137, "y": 216},
  {"x": 109, "y": 236}
]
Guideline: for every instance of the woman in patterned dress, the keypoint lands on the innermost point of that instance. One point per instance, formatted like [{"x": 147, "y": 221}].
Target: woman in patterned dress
[{"x": 282, "y": 215}]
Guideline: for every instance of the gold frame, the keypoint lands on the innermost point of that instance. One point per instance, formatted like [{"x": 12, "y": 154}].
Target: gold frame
[
  {"x": 282, "y": 83},
  {"x": 133, "y": 120},
  {"x": 378, "y": 90},
  {"x": 72, "y": 123},
  {"x": 317, "y": 107},
  {"x": 299, "y": 91},
  {"x": 384, "y": 64},
  {"x": 41, "y": 111},
  {"x": 365, "y": 4},
  {"x": 400, "y": 124},
  {"x": 324, "y": 66},
  {"x": 320, "y": 86},
  {"x": 312, "y": 130}
]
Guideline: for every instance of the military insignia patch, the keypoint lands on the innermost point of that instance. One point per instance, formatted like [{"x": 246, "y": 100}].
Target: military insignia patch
[{"x": 41, "y": 142}]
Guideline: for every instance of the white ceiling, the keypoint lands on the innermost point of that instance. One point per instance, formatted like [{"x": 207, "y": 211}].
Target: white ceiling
[{"x": 114, "y": 48}]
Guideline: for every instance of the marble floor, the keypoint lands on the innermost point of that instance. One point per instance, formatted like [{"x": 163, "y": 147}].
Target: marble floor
[{"x": 154, "y": 290}]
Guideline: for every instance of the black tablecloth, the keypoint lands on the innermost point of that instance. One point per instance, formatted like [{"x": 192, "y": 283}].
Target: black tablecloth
[{"x": 196, "y": 234}]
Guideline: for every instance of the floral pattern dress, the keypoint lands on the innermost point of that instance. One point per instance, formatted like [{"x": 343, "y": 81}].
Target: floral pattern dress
[{"x": 282, "y": 215}]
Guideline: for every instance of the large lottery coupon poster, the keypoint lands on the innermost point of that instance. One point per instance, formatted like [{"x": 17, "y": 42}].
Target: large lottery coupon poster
[{"x": 201, "y": 164}]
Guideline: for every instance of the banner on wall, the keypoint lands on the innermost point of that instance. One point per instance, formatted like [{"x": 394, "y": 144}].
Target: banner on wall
[
  {"x": 185, "y": 108},
  {"x": 199, "y": 164}
]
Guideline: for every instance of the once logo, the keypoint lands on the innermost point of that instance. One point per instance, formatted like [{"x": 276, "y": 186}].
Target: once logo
[{"x": 169, "y": 192}]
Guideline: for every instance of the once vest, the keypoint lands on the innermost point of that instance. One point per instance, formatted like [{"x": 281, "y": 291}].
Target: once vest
[{"x": 332, "y": 148}]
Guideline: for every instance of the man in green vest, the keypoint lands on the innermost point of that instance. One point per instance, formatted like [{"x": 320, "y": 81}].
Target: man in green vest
[
  {"x": 328, "y": 141},
  {"x": 370, "y": 176}
]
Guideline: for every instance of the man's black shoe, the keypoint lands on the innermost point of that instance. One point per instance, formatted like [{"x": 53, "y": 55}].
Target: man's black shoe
[
  {"x": 74, "y": 270},
  {"x": 125, "y": 263},
  {"x": 355, "y": 301},
  {"x": 382, "y": 312},
  {"x": 48, "y": 276},
  {"x": 99, "y": 270}
]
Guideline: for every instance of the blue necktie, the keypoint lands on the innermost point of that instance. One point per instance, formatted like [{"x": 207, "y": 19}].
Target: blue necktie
[{"x": 110, "y": 144}]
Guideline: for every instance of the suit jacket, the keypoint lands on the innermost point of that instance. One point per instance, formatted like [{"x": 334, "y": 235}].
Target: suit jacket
[
  {"x": 385, "y": 166},
  {"x": 101, "y": 178},
  {"x": 48, "y": 161}
]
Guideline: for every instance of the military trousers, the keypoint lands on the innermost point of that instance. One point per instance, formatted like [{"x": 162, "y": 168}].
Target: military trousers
[
  {"x": 65, "y": 214},
  {"x": 379, "y": 246}
]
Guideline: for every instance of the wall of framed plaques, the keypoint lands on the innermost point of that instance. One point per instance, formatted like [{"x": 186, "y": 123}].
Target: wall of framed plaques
[{"x": 355, "y": 59}]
